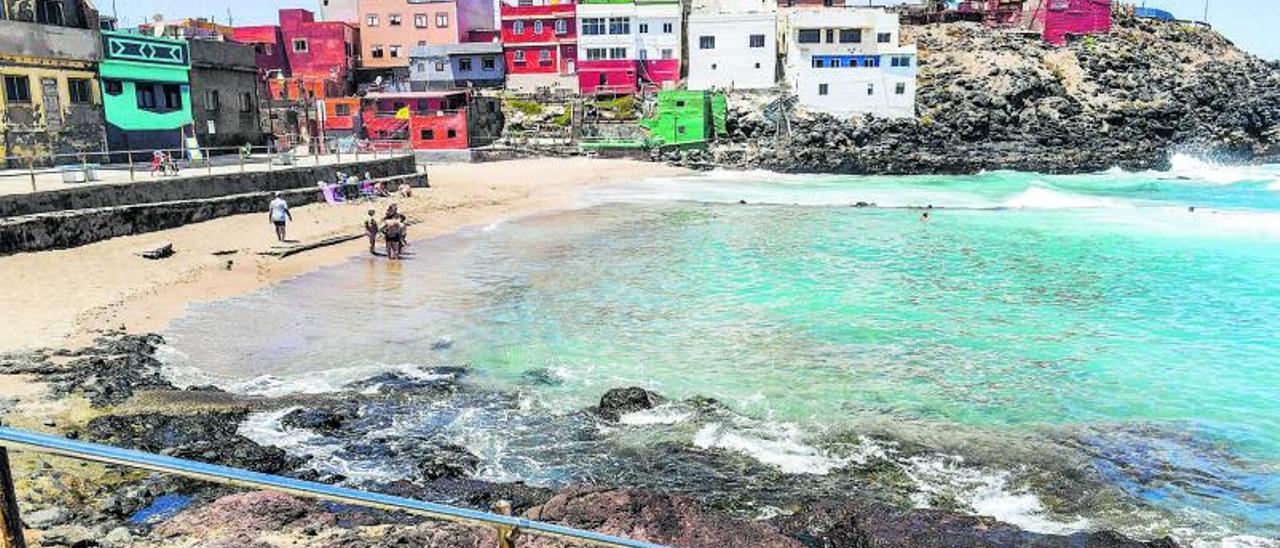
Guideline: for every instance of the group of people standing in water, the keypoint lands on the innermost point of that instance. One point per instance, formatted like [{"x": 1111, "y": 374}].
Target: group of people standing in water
[{"x": 394, "y": 229}]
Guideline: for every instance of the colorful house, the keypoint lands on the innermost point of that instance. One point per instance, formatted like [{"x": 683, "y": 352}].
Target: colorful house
[
  {"x": 146, "y": 91},
  {"x": 540, "y": 42},
  {"x": 1057, "y": 19},
  {"x": 457, "y": 66},
  {"x": 51, "y": 103},
  {"x": 625, "y": 46},
  {"x": 228, "y": 93},
  {"x": 304, "y": 58},
  {"x": 432, "y": 120},
  {"x": 846, "y": 61},
  {"x": 346, "y": 11},
  {"x": 687, "y": 118},
  {"x": 733, "y": 44},
  {"x": 389, "y": 29}
]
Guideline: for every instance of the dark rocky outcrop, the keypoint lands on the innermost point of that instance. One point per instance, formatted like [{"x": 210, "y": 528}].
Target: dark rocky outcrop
[
  {"x": 321, "y": 419},
  {"x": 988, "y": 100},
  {"x": 109, "y": 372},
  {"x": 205, "y": 436},
  {"x": 447, "y": 461},
  {"x": 853, "y": 524},
  {"x": 620, "y": 401},
  {"x": 671, "y": 520}
]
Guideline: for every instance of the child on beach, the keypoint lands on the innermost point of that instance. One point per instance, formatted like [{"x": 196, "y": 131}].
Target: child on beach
[{"x": 371, "y": 229}]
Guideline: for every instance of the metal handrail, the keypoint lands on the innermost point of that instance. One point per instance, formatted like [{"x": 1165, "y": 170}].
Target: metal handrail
[{"x": 43, "y": 443}]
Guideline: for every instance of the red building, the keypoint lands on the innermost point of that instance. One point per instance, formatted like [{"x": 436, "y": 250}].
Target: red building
[
  {"x": 1060, "y": 18},
  {"x": 620, "y": 76},
  {"x": 302, "y": 57},
  {"x": 431, "y": 120},
  {"x": 540, "y": 41},
  {"x": 1054, "y": 19}
]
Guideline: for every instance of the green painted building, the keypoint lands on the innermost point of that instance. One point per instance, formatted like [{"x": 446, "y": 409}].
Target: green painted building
[
  {"x": 687, "y": 118},
  {"x": 146, "y": 91}
]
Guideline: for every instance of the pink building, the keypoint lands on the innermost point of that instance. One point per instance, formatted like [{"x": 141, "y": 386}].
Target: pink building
[
  {"x": 1059, "y": 18},
  {"x": 303, "y": 57},
  {"x": 389, "y": 29}
]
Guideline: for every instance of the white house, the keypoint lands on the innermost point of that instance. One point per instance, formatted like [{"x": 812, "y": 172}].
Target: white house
[
  {"x": 733, "y": 44},
  {"x": 846, "y": 61},
  {"x": 658, "y": 39}
]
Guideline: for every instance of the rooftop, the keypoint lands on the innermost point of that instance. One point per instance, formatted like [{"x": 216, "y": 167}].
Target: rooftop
[{"x": 456, "y": 49}]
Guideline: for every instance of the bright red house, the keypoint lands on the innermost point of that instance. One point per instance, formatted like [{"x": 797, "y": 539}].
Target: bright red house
[
  {"x": 540, "y": 41},
  {"x": 302, "y": 57},
  {"x": 1060, "y": 18},
  {"x": 432, "y": 120}
]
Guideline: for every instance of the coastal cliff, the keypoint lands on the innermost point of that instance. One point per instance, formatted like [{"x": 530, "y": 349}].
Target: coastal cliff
[{"x": 990, "y": 99}]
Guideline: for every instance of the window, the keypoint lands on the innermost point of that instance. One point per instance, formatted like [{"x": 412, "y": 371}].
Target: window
[
  {"x": 394, "y": 50},
  {"x": 900, "y": 88},
  {"x": 211, "y": 100},
  {"x": 871, "y": 89},
  {"x": 596, "y": 54},
  {"x": 757, "y": 65},
  {"x": 439, "y": 66},
  {"x": 831, "y": 36},
  {"x": 544, "y": 56},
  {"x": 818, "y": 62},
  {"x": 269, "y": 49},
  {"x": 517, "y": 28},
  {"x": 900, "y": 61},
  {"x": 757, "y": 40},
  {"x": 518, "y": 56},
  {"x": 884, "y": 37},
  {"x": 593, "y": 26},
  {"x": 706, "y": 42},
  {"x": 809, "y": 36},
  {"x": 668, "y": 53},
  {"x": 619, "y": 25},
  {"x": 342, "y": 110},
  {"x": 371, "y": 20},
  {"x": 350, "y": 49},
  {"x": 172, "y": 96},
  {"x": 394, "y": 20},
  {"x": 1058, "y": 5},
  {"x": 427, "y": 135},
  {"x": 375, "y": 51},
  {"x": 617, "y": 53},
  {"x": 259, "y": 48},
  {"x": 442, "y": 20},
  {"x": 300, "y": 46},
  {"x": 452, "y": 134},
  {"x": 464, "y": 64},
  {"x": 714, "y": 66},
  {"x": 822, "y": 89},
  {"x": 537, "y": 27},
  {"x": 17, "y": 89},
  {"x": 80, "y": 90},
  {"x": 111, "y": 87},
  {"x": 420, "y": 20},
  {"x": 246, "y": 102},
  {"x": 668, "y": 28},
  {"x": 50, "y": 12},
  {"x": 489, "y": 63},
  {"x": 146, "y": 96},
  {"x": 562, "y": 26},
  {"x": 850, "y": 36},
  {"x": 643, "y": 54},
  {"x": 644, "y": 28}
]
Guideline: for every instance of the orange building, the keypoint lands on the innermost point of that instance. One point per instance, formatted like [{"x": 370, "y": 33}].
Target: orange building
[{"x": 389, "y": 29}]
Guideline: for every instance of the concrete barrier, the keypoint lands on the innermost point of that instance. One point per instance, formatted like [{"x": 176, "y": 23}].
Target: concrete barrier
[
  {"x": 65, "y": 229},
  {"x": 194, "y": 188}
]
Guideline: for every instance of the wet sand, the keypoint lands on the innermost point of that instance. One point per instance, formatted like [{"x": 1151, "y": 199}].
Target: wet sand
[{"x": 66, "y": 297}]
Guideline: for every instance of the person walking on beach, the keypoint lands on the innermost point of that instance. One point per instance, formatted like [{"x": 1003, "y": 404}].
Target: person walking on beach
[
  {"x": 280, "y": 215},
  {"x": 393, "y": 232},
  {"x": 371, "y": 229}
]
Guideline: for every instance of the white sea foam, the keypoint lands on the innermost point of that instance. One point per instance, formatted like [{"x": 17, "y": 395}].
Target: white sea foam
[
  {"x": 1237, "y": 541},
  {"x": 659, "y": 415},
  {"x": 1185, "y": 166},
  {"x": 988, "y": 493},
  {"x": 779, "y": 446},
  {"x": 266, "y": 429},
  {"x": 1038, "y": 197},
  {"x": 317, "y": 382}
]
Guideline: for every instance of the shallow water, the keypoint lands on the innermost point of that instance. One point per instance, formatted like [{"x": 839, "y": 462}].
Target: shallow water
[{"x": 1039, "y": 331}]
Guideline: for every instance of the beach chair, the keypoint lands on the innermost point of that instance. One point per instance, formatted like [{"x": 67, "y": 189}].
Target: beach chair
[{"x": 331, "y": 195}]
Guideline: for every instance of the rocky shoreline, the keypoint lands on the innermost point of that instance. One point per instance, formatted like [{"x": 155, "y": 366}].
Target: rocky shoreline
[
  {"x": 991, "y": 100},
  {"x": 130, "y": 404}
]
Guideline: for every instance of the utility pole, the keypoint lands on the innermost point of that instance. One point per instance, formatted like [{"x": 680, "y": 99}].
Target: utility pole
[{"x": 1206, "y": 11}]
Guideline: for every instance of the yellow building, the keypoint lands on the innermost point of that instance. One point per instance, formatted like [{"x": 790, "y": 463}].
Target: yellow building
[{"x": 50, "y": 102}]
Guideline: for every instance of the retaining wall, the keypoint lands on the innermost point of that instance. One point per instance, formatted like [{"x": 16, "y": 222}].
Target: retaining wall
[
  {"x": 94, "y": 196},
  {"x": 64, "y": 229}
]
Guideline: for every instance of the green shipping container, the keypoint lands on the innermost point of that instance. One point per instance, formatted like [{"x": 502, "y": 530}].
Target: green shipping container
[{"x": 682, "y": 118}]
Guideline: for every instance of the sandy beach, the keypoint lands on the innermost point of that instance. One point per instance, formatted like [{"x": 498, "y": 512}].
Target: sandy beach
[{"x": 65, "y": 297}]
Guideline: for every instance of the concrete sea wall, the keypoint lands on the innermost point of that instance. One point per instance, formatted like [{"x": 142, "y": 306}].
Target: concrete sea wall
[{"x": 193, "y": 188}]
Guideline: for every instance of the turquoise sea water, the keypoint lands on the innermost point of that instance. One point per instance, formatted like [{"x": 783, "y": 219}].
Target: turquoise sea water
[{"x": 1036, "y": 331}]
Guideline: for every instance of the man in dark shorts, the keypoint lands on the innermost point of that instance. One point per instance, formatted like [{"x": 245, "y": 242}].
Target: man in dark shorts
[{"x": 279, "y": 215}]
